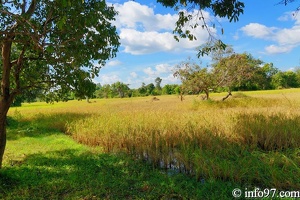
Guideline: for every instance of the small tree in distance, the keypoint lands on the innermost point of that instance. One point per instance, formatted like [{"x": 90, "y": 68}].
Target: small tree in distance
[
  {"x": 234, "y": 70},
  {"x": 157, "y": 83},
  {"x": 194, "y": 79},
  {"x": 119, "y": 89}
]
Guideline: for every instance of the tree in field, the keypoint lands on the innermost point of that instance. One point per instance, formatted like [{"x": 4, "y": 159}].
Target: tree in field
[
  {"x": 194, "y": 79},
  {"x": 234, "y": 71},
  {"x": 146, "y": 90},
  {"x": 149, "y": 88},
  {"x": 84, "y": 88},
  {"x": 157, "y": 83},
  {"x": 286, "y": 79},
  {"x": 297, "y": 71},
  {"x": 291, "y": 79},
  {"x": 279, "y": 81},
  {"x": 52, "y": 45},
  {"x": 103, "y": 91},
  {"x": 226, "y": 73},
  {"x": 266, "y": 72},
  {"x": 142, "y": 90},
  {"x": 170, "y": 89},
  {"x": 158, "y": 88},
  {"x": 260, "y": 78},
  {"x": 119, "y": 89}
]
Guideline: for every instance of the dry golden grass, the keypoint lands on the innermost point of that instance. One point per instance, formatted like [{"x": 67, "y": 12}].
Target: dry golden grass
[{"x": 207, "y": 139}]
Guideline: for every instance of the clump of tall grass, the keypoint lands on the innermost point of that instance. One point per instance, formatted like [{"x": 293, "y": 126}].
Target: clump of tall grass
[
  {"x": 210, "y": 142},
  {"x": 156, "y": 136},
  {"x": 274, "y": 132},
  {"x": 238, "y": 100},
  {"x": 240, "y": 95}
]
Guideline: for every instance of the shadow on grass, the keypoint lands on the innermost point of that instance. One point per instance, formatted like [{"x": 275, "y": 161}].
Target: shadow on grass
[
  {"x": 73, "y": 174},
  {"x": 40, "y": 125}
]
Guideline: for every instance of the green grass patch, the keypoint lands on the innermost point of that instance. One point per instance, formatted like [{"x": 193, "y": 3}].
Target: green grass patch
[{"x": 56, "y": 167}]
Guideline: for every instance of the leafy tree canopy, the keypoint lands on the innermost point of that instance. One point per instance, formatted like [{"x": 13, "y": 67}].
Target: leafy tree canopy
[
  {"x": 228, "y": 72},
  {"x": 52, "y": 45},
  {"x": 48, "y": 44}
]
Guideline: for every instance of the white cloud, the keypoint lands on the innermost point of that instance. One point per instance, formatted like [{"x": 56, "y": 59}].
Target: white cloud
[
  {"x": 150, "y": 72},
  {"x": 273, "y": 49},
  {"x": 284, "y": 39},
  {"x": 137, "y": 43},
  {"x": 289, "y": 36},
  {"x": 133, "y": 82},
  {"x": 296, "y": 17},
  {"x": 164, "y": 71},
  {"x": 158, "y": 70},
  {"x": 108, "y": 79},
  {"x": 285, "y": 17},
  {"x": 137, "y": 16},
  {"x": 258, "y": 31},
  {"x": 144, "y": 32},
  {"x": 163, "y": 68},
  {"x": 290, "y": 16},
  {"x": 170, "y": 79},
  {"x": 292, "y": 69},
  {"x": 133, "y": 75},
  {"x": 113, "y": 63}
]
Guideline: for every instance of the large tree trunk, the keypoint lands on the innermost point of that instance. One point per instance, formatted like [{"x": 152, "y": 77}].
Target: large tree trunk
[
  {"x": 207, "y": 94},
  {"x": 6, "y": 97},
  {"x": 206, "y": 97},
  {"x": 3, "y": 113},
  {"x": 2, "y": 139}
]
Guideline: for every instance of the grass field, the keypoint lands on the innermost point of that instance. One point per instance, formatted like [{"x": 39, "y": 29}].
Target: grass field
[{"x": 136, "y": 148}]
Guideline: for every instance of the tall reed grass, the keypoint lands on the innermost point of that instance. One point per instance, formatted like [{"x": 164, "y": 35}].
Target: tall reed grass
[{"x": 252, "y": 139}]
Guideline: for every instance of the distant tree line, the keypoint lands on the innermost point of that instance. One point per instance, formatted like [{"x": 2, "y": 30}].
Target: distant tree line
[
  {"x": 237, "y": 72},
  {"x": 121, "y": 90},
  {"x": 229, "y": 72}
]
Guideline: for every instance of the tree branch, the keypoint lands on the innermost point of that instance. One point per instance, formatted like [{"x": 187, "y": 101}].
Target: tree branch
[
  {"x": 5, "y": 82},
  {"x": 18, "y": 67},
  {"x": 31, "y": 9},
  {"x": 23, "y": 6}
]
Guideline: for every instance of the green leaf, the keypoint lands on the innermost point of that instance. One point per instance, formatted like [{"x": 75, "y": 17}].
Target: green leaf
[{"x": 50, "y": 49}]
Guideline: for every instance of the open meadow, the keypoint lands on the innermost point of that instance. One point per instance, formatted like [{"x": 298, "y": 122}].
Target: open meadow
[{"x": 137, "y": 148}]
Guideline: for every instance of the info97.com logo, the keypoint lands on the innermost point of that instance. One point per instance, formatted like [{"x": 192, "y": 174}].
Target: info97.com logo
[{"x": 264, "y": 193}]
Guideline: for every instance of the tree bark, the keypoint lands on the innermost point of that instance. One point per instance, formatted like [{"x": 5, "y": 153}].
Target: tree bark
[
  {"x": 3, "y": 113},
  {"x": 6, "y": 97},
  {"x": 207, "y": 94},
  {"x": 2, "y": 139},
  {"x": 87, "y": 99},
  {"x": 206, "y": 97}
]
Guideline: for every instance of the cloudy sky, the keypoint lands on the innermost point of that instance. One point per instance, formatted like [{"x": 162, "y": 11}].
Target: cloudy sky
[{"x": 148, "y": 49}]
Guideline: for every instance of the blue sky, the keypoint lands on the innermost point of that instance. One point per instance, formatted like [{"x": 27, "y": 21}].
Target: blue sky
[{"x": 148, "y": 50}]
